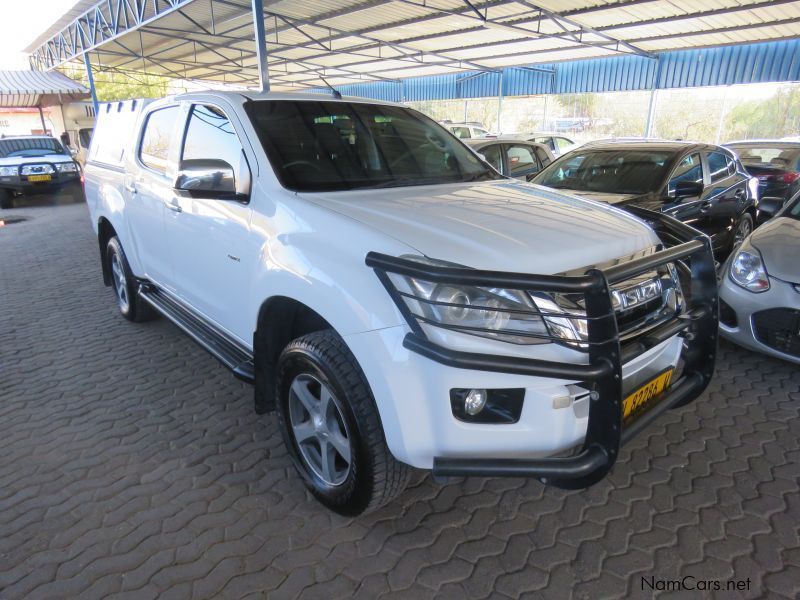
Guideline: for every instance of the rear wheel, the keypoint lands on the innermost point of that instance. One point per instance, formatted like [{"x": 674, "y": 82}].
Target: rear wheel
[
  {"x": 124, "y": 284},
  {"x": 332, "y": 428},
  {"x": 743, "y": 229}
]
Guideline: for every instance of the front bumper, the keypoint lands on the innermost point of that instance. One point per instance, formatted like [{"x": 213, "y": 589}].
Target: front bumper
[
  {"x": 606, "y": 373},
  {"x": 745, "y": 305},
  {"x": 21, "y": 183}
]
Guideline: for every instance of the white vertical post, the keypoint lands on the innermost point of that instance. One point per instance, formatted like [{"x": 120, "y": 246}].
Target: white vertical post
[
  {"x": 499, "y": 101},
  {"x": 722, "y": 115},
  {"x": 261, "y": 44}
]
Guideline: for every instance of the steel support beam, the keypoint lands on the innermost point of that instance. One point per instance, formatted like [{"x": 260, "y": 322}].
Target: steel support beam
[
  {"x": 87, "y": 63},
  {"x": 261, "y": 44}
]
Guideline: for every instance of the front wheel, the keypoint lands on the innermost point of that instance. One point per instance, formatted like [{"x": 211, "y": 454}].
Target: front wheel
[
  {"x": 332, "y": 428},
  {"x": 6, "y": 199}
]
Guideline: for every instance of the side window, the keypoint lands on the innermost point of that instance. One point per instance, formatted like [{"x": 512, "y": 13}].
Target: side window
[
  {"x": 689, "y": 169},
  {"x": 562, "y": 144},
  {"x": 211, "y": 135},
  {"x": 493, "y": 156},
  {"x": 479, "y": 132},
  {"x": 547, "y": 141},
  {"x": 154, "y": 149},
  {"x": 461, "y": 132},
  {"x": 719, "y": 166},
  {"x": 521, "y": 160}
]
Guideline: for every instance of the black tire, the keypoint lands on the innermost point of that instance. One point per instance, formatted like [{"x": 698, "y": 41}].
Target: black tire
[
  {"x": 745, "y": 223},
  {"x": 133, "y": 308},
  {"x": 6, "y": 199},
  {"x": 374, "y": 476}
]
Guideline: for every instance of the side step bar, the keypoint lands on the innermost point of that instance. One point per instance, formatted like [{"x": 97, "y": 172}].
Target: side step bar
[{"x": 229, "y": 352}]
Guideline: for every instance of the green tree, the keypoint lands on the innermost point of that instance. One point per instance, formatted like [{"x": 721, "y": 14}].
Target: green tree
[{"x": 112, "y": 85}]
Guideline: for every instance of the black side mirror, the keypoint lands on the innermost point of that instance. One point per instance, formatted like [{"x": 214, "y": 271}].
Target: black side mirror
[
  {"x": 687, "y": 189},
  {"x": 213, "y": 179}
]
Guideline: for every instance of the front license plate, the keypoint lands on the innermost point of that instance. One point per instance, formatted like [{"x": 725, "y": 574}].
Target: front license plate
[
  {"x": 39, "y": 177},
  {"x": 638, "y": 401}
]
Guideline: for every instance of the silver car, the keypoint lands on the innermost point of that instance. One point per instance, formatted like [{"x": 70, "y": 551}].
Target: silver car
[{"x": 760, "y": 288}]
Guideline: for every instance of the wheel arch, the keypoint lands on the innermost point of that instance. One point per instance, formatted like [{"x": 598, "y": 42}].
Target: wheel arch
[{"x": 105, "y": 231}]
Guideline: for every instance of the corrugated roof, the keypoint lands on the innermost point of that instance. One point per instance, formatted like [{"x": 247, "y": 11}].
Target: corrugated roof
[
  {"x": 353, "y": 41},
  {"x": 34, "y": 88}
]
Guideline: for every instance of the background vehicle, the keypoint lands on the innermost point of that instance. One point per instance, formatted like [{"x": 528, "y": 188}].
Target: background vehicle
[
  {"x": 760, "y": 288},
  {"x": 521, "y": 160},
  {"x": 702, "y": 185},
  {"x": 36, "y": 164},
  {"x": 468, "y": 130},
  {"x": 776, "y": 165},
  {"x": 557, "y": 143},
  {"x": 383, "y": 289},
  {"x": 79, "y": 119}
]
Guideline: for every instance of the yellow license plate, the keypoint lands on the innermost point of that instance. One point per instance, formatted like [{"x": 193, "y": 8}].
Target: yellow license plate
[
  {"x": 638, "y": 400},
  {"x": 39, "y": 177}
]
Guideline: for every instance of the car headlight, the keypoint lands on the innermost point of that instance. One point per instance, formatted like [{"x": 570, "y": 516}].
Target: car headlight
[
  {"x": 69, "y": 167},
  {"x": 8, "y": 171},
  {"x": 507, "y": 315},
  {"x": 747, "y": 270}
]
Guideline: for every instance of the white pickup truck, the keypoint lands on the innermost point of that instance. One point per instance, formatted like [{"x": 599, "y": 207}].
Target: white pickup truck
[{"x": 393, "y": 298}]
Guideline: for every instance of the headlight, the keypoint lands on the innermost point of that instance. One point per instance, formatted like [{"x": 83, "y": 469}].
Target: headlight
[
  {"x": 748, "y": 271},
  {"x": 8, "y": 171},
  {"x": 503, "y": 314},
  {"x": 69, "y": 167}
]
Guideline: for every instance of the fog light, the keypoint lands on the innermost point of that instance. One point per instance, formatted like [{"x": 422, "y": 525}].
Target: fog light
[{"x": 475, "y": 401}]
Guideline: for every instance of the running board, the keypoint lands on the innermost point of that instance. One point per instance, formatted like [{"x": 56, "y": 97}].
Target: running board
[{"x": 229, "y": 352}]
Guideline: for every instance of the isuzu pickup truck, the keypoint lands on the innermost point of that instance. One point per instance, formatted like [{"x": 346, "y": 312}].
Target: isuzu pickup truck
[{"x": 394, "y": 299}]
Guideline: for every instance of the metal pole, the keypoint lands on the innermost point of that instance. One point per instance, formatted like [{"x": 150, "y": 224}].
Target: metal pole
[
  {"x": 651, "y": 111},
  {"x": 499, "y": 101},
  {"x": 721, "y": 122},
  {"x": 261, "y": 44},
  {"x": 41, "y": 116},
  {"x": 88, "y": 66}
]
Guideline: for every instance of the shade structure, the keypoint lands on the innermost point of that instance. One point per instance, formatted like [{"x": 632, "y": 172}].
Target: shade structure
[{"x": 35, "y": 88}]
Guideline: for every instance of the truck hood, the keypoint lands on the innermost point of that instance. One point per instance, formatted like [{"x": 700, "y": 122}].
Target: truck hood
[
  {"x": 27, "y": 160},
  {"x": 779, "y": 243},
  {"x": 498, "y": 225}
]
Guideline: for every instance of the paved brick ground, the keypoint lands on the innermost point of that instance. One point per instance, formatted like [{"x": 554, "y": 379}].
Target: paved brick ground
[{"x": 131, "y": 463}]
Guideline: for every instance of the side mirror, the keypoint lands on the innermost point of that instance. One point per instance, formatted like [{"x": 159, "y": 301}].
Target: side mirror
[
  {"x": 687, "y": 189},
  {"x": 213, "y": 179}
]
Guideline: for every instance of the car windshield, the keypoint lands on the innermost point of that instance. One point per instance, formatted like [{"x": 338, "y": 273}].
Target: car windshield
[
  {"x": 613, "y": 171},
  {"x": 332, "y": 146},
  {"x": 768, "y": 156},
  {"x": 30, "y": 147}
]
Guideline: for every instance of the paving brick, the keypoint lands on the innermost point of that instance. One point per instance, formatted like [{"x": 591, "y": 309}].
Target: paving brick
[{"x": 133, "y": 466}]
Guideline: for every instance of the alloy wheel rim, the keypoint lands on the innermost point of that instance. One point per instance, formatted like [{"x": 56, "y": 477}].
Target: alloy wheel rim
[
  {"x": 120, "y": 283},
  {"x": 319, "y": 429},
  {"x": 742, "y": 231}
]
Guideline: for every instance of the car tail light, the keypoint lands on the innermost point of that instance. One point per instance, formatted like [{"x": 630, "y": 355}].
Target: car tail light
[{"x": 788, "y": 177}]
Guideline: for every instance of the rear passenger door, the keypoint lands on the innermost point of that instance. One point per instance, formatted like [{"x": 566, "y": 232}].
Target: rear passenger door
[
  {"x": 724, "y": 197},
  {"x": 148, "y": 189},
  {"x": 212, "y": 254}
]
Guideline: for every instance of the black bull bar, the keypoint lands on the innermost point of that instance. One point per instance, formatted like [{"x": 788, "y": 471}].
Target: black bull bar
[{"x": 697, "y": 324}]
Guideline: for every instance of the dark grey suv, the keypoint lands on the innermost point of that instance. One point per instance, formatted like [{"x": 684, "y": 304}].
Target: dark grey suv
[{"x": 702, "y": 185}]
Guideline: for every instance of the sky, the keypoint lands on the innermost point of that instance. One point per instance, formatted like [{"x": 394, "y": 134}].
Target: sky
[{"x": 23, "y": 23}]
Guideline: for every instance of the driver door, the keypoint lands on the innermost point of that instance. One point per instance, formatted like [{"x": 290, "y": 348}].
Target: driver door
[{"x": 688, "y": 210}]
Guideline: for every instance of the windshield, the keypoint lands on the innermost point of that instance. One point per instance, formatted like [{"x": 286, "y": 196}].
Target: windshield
[
  {"x": 332, "y": 146},
  {"x": 769, "y": 156},
  {"x": 30, "y": 147},
  {"x": 614, "y": 171}
]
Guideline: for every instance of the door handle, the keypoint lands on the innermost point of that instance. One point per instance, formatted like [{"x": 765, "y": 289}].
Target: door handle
[
  {"x": 173, "y": 206},
  {"x": 739, "y": 194},
  {"x": 705, "y": 205},
  {"x": 130, "y": 187}
]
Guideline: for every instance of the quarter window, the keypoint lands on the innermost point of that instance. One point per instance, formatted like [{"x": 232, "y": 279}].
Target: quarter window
[
  {"x": 689, "y": 169},
  {"x": 211, "y": 135},
  {"x": 158, "y": 130}
]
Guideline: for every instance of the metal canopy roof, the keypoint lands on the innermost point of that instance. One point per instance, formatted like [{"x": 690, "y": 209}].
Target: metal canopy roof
[
  {"x": 350, "y": 41},
  {"x": 34, "y": 88}
]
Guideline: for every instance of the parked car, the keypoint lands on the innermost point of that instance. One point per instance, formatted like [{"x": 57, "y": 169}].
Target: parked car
[
  {"x": 36, "y": 164},
  {"x": 760, "y": 288},
  {"x": 467, "y": 131},
  {"x": 395, "y": 300},
  {"x": 518, "y": 159},
  {"x": 702, "y": 185},
  {"x": 557, "y": 143},
  {"x": 776, "y": 165}
]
